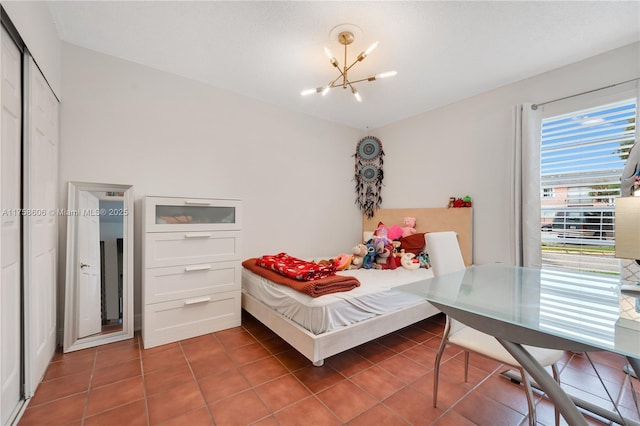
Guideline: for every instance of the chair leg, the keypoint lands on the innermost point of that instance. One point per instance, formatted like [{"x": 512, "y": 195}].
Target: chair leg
[
  {"x": 436, "y": 369},
  {"x": 556, "y": 377},
  {"x": 530, "y": 401},
  {"x": 466, "y": 366}
]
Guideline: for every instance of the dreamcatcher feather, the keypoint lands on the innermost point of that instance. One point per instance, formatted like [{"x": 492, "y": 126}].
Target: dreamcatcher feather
[{"x": 368, "y": 174}]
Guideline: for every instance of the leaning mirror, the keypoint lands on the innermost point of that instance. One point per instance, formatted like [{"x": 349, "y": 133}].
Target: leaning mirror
[{"x": 99, "y": 276}]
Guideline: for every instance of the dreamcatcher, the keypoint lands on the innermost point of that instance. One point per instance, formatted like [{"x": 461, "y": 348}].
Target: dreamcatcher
[{"x": 368, "y": 174}]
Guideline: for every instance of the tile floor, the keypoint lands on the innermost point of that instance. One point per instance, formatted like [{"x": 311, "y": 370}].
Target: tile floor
[{"x": 249, "y": 376}]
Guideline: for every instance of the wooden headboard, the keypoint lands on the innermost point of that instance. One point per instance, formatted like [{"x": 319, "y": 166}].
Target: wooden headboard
[{"x": 459, "y": 220}]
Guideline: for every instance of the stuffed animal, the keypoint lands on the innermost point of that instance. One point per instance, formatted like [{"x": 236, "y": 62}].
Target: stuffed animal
[
  {"x": 409, "y": 261},
  {"x": 409, "y": 227},
  {"x": 384, "y": 257},
  {"x": 370, "y": 256},
  {"x": 357, "y": 257},
  {"x": 388, "y": 233},
  {"x": 423, "y": 258},
  {"x": 342, "y": 261}
]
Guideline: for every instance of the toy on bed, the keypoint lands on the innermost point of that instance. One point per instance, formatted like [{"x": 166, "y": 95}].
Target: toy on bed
[
  {"x": 409, "y": 227},
  {"x": 357, "y": 258},
  {"x": 370, "y": 256},
  {"x": 385, "y": 258}
]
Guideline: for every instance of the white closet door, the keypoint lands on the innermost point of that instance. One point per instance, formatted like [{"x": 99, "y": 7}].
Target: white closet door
[
  {"x": 10, "y": 240},
  {"x": 41, "y": 226}
]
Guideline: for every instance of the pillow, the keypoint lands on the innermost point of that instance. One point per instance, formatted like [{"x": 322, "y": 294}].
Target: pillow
[{"x": 413, "y": 243}]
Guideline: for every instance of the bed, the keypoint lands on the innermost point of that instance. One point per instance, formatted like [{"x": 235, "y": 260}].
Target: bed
[{"x": 324, "y": 326}]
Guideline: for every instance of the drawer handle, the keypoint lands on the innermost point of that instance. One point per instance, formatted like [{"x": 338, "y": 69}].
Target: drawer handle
[
  {"x": 198, "y": 202},
  {"x": 198, "y": 300},
  {"x": 197, "y": 268},
  {"x": 198, "y": 235}
]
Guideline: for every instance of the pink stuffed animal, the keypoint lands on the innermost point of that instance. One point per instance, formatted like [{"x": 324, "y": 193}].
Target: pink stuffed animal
[{"x": 409, "y": 227}]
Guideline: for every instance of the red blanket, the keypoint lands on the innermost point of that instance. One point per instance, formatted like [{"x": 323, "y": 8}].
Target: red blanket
[
  {"x": 313, "y": 288},
  {"x": 297, "y": 269}
]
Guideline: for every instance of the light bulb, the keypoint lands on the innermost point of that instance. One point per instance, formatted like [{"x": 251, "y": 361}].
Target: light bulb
[
  {"x": 328, "y": 52},
  {"x": 386, "y": 74},
  {"x": 325, "y": 90},
  {"x": 307, "y": 92},
  {"x": 371, "y": 48},
  {"x": 356, "y": 94}
]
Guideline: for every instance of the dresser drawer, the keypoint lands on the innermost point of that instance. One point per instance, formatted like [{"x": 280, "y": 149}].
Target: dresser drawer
[
  {"x": 169, "y": 214},
  {"x": 179, "y": 282},
  {"x": 187, "y": 248},
  {"x": 182, "y": 319}
]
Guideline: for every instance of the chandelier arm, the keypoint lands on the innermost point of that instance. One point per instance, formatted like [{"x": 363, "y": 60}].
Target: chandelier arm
[
  {"x": 351, "y": 66},
  {"x": 372, "y": 78}
]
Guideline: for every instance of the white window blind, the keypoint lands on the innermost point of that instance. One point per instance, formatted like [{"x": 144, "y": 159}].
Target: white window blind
[{"x": 582, "y": 157}]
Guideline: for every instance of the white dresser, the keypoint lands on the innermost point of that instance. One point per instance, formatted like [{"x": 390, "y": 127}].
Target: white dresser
[{"x": 191, "y": 267}]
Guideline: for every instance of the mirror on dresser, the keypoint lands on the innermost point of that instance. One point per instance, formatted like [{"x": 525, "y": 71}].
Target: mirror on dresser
[{"x": 99, "y": 274}]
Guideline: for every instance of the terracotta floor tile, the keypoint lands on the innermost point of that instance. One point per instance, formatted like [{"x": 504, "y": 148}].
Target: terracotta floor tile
[
  {"x": 348, "y": 363},
  {"x": 174, "y": 402},
  {"x": 453, "y": 418},
  {"x": 61, "y": 387},
  {"x": 116, "y": 345},
  {"x": 132, "y": 414},
  {"x": 293, "y": 360},
  {"x": 282, "y": 392},
  {"x": 396, "y": 342},
  {"x": 117, "y": 355},
  {"x": 64, "y": 410},
  {"x": 197, "y": 417},
  {"x": 318, "y": 378},
  {"x": 307, "y": 412},
  {"x": 202, "y": 348},
  {"x": 234, "y": 338},
  {"x": 69, "y": 366},
  {"x": 346, "y": 400},
  {"x": 483, "y": 410},
  {"x": 374, "y": 351},
  {"x": 378, "y": 415},
  {"x": 403, "y": 368},
  {"x": 240, "y": 409},
  {"x": 162, "y": 380},
  {"x": 277, "y": 345},
  {"x": 412, "y": 406},
  {"x": 249, "y": 353},
  {"x": 61, "y": 356},
  {"x": 261, "y": 333},
  {"x": 114, "y": 395},
  {"x": 416, "y": 334},
  {"x": 165, "y": 359},
  {"x": 378, "y": 382},
  {"x": 211, "y": 364},
  {"x": 156, "y": 349},
  {"x": 116, "y": 372},
  {"x": 263, "y": 371},
  {"x": 423, "y": 355},
  {"x": 223, "y": 385}
]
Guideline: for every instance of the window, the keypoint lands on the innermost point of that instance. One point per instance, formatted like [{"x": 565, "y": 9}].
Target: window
[{"x": 581, "y": 160}]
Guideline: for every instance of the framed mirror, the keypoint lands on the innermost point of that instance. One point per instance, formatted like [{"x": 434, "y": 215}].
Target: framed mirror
[{"x": 99, "y": 275}]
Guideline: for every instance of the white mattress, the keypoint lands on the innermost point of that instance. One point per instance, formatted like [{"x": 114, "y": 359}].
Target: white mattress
[{"x": 329, "y": 312}]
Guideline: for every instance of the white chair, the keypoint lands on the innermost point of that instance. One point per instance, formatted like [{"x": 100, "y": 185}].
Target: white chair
[{"x": 444, "y": 253}]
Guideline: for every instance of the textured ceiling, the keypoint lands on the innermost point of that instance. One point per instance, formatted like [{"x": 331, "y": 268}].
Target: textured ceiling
[{"x": 443, "y": 51}]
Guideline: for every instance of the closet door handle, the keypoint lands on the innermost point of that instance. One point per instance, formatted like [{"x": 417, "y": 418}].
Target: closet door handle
[
  {"x": 197, "y": 235},
  {"x": 197, "y": 300},
  {"x": 197, "y": 268},
  {"x": 198, "y": 202}
]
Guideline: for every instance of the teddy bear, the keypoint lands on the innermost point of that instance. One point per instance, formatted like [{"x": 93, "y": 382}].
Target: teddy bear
[
  {"x": 409, "y": 226},
  {"x": 384, "y": 257},
  {"x": 357, "y": 257}
]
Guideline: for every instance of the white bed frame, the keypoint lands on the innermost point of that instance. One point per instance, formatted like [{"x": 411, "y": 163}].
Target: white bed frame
[{"x": 317, "y": 347}]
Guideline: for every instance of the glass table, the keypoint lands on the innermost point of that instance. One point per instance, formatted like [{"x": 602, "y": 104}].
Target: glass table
[{"x": 552, "y": 308}]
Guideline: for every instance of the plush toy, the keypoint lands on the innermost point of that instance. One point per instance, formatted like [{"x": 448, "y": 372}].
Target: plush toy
[
  {"x": 388, "y": 233},
  {"x": 357, "y": 257},
  {"x": 409, "y": 261},
  {"x": 342, "y": 261},
  {"x": 370, "y": 256},
  {"x": 384, "y": 257},
  {"x": 423, "y": 258},
  {"x": 409, "y": 227}
]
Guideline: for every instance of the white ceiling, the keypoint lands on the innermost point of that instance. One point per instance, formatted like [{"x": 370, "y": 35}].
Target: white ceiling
[{"x": 443, "y": 51}]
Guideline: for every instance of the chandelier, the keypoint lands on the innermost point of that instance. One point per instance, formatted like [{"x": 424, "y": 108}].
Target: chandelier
[{"x": 342, "y": 80}]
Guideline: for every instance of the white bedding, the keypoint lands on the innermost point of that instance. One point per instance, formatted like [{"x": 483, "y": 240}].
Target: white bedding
[{"x": 332, "y": 311}]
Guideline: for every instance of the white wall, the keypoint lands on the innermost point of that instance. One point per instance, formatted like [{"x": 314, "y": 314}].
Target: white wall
[
  {"x": 465, "y": 148},
  {"x": 35, "y": 25},
  {"x": 166, "y": 135}
]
